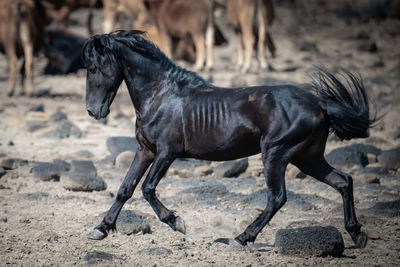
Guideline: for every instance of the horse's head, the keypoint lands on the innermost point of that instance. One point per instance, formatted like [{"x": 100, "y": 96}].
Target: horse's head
[{"x": 104, "y": 75}]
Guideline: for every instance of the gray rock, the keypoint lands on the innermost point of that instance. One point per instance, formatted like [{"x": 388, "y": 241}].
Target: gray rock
[
  {"x": 35, "y": 120},
  {"x": 155, "y": 251},
  {"x": 84, "y": 166},
  {"x": 389, "y": 209},
  {"x": 82, "y": 182},
  {"x": 389, "y": 180},
  {"x": 12, "y": 163},
  {"x": 350, "y": 155},
  {"x": 203, "y": 170},
  {"x": 8, "y": 163},
  {"x": 47, "y": 171},
  {"x": 232, "y": 168},
  {"x": 129, "y": 223},
  {"x": 94, "y": 257},
  {"x": 124, "y": 159},
  {"x": 316, "y": 241},
  {"x": 368, "y": 175},
  {"x": 308, "y": 46},
  {"x": 62, "y": 129},
  {"x": 390, "y": 159},
  {"x": 36, "y": 108},
  {"x": 119, "y": 144},
  {"x": 2, "y": 172},
  {"x": 33, "y": 126},
  {"x": 58, "y": 116},
  {"x": 63, "y": 163}
]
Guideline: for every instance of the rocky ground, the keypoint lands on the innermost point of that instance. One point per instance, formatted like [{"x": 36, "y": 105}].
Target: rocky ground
[{"x": 60, "y": 169}]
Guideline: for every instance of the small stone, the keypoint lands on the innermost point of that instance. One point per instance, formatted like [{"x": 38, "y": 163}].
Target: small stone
[
  {"x": 203, "y": 170},
  {"x": 390, "y": 159},
  {"x": 82, "y": 182},
  {"x": 84, "y": 166},
  {"x": 11, "y": 163},
  {"x": 129, "y": 223},
  {"x": 2, "y": 172},
  {"x": 59, "y": 116},
  {"x": 3, "y": 219},
  {"x": 47, "y": 171},
  {"x": 63, "y": 163},
  {"x": 374, "y": 235},
  {"x": 232, "y": 168},
  {"x": 37, "y": 108},
  {"x": 124, "y": 160},
  {"x": 94, "y": 257},
  {"x": 11, "y": 143},
  {"x": 62, "y": 129},
  {"x": 308, "y": 46},
  {"x": 389, "y": 180}
]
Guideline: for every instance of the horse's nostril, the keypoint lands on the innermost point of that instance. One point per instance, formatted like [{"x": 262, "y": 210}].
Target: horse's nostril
[{"x": 90, "y": 113}]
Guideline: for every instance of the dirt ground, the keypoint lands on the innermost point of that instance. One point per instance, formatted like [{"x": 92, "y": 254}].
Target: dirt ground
[{"x": 41, "y": 223}]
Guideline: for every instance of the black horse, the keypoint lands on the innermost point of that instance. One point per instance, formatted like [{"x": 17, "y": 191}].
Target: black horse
[{"x": 180, "y": 115}]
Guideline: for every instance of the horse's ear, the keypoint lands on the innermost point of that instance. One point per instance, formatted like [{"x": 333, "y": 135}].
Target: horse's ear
[{"x": 98, "y": 46}]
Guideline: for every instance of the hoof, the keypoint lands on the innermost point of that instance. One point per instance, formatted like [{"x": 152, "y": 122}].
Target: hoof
[
  {"x": 180, "y": 225},
  {"x": 362, "y": 240},
  {"x": 97, "y": 235}
]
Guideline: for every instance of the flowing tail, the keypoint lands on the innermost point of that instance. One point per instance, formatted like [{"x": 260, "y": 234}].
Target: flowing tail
[{"x": 346, "y": 105}]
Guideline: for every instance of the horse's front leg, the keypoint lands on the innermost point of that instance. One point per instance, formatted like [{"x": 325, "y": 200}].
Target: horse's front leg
[
  {"x": 141, "y": 162},
  {"x": 160, "y": 166}
]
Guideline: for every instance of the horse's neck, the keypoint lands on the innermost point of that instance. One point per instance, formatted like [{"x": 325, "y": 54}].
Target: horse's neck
[{"x": 141, "y": 87}]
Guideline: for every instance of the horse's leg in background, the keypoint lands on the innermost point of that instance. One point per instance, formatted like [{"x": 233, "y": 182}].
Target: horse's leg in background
[
  {"x": 27, "y": 45},
  {"x": 261, "y": 19},
  {"x": 274, "y": 171},
  {"x": 160, "y": 166},
  {"x": 246, "y": 24},
  {"x": 318, "y": 168},
  {"x": 143, "y": 159},
  {"x": 210, "y": 38},
  {"x": 12, "y": 66},
  {"x": 239, "y": 41},
  {"x": 110, "y": 7},
  {"x": 199, "y": 43}
]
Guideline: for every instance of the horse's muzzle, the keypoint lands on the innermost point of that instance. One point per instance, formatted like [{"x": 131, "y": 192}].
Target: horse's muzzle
[{"x": 98, "y": 113}]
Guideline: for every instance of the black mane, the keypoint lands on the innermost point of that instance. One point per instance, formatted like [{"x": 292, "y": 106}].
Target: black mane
[{"x": 134, "y": 40}]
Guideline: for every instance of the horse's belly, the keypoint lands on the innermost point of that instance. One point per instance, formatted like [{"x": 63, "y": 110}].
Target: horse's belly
[{"x": 223, "y": 146}]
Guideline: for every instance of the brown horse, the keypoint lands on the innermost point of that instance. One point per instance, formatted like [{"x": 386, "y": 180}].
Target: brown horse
[{"x": 179, "y": 115}]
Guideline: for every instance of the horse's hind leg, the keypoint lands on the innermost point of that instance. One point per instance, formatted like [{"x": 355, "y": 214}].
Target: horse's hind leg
[
  {"x": 160, "y": 166},
  {"x": 141, "y": 162},
  {"x": 321, "y": 170},
  {"x": 274, "y": 171}
]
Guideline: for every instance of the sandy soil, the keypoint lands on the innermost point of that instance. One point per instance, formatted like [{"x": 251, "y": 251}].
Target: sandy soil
[{"x": 41, "y": 223}]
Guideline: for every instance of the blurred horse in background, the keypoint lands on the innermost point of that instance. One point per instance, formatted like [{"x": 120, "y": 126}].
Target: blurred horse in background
[
  {"x": 186, "y": 19},
  {"x": 59, "y": 10},
  {"x": 251, "y": 20},
  {"x": 22, "y": 25}
]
